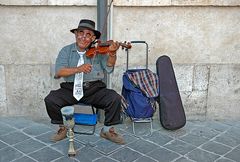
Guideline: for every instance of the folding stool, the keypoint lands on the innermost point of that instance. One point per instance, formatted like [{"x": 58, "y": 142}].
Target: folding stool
[{"x": 85, "y": 115}]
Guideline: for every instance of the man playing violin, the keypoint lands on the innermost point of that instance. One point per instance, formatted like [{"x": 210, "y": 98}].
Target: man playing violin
[{"x": 94, "y": 90}]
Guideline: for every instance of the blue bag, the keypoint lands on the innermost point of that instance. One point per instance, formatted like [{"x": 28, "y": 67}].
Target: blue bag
[{"x": 140, "y": 88}]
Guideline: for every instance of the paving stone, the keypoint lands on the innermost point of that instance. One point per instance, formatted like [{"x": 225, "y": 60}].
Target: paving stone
[
  {"x": 175, "y": 133},
  {"x": 179, "y": 147},
  {"x": 2, "y": 145},
  {"x": 228, "y": 139},
  {"x": 17, "y": 122},
  {"x": 37, "y": 129},
  {"x": 201, "y": 155},
  {"x": 193, "y": 139},
  {"x": 145, "y": 159},
  {"x": 216, "y": 148},
  {"x": 5, "y": 129},
  {"x": 46, "y": 138},
  {"x": 14, "y": 137},
  {"x": 238, "y": 147},
  {"x": 205, "y": 132},
  {"x": 183, "y": 159},
  {"x": 234, "y": 154},
  {"x": 158, "y": 138},
  {"x": 156, "y": 124},
  {"x": 224, "y": 160},
  {"x": 106, "y": 147},
  {"x": 143, "y": 146},
  {"x": 123, "y": 126},
  {"x": 9, "y": 154},
  {"x": 83, "y": 128},
  {"x": 126, "y": 155},
  {"x": 237, "y": 124},
  {"x": 87, "y": 154},
  {"x": 213, "y": 138},
  {"x": 105, "y": 159},
  {"x": 62, "y": 146},
  {"x": 66, "y": 159},
  {"x": 230, "y": 123},
  {"x": 40, "y": 155},
  {"x": 24, "y": 159},
  {"x": 234, "y": 132},
  {"x": 29, "y": 146},
  {"x": 162, "y": 154},
  {"x": 218, "y": 126},
  {"x": 87, "y": 139},
  {"x": 195, "y": 123},
  {"x": 129, "y": 139},
  {"x": 192, "y": 125},
  {"x": 138, "y": 129}
]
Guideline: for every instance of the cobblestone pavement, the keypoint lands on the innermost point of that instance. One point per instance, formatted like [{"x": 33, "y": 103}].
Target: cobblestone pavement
[{"x": 26, "y": 140}]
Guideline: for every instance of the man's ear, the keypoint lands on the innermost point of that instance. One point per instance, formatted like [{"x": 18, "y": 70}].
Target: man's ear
[{"x": 75, "y": 33}]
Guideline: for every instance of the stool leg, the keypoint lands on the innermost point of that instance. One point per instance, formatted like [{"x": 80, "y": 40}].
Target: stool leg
[
  {"x": 133, "y": 127},
  {"x": 151, "y": 127}
]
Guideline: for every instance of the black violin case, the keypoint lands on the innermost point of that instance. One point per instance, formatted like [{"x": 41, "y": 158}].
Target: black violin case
[{"x": 171, "y": 111}]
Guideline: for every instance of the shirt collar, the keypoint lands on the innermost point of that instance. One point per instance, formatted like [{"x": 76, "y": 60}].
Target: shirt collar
[
  {"x": 75, "y": 49},
  {"x": 81, "y": 53}
]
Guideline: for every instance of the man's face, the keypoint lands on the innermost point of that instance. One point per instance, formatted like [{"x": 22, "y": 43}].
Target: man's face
[{"x": 83, "y": 38}]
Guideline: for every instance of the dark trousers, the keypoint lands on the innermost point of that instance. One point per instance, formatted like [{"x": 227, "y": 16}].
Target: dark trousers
[{"x": 95, "y": 93}]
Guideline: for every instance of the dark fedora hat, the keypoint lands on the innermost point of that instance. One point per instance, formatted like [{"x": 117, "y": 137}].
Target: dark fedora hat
[{"x": 87, "y": 24}]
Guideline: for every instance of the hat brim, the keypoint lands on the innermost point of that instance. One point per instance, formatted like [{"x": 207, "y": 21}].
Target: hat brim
[{"x": 97, "y": 33}]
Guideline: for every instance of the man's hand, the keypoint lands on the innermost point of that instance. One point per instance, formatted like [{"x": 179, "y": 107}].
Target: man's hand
[
  {"x": 113, "y": 48},
  {"x": 86, "y": 68}
]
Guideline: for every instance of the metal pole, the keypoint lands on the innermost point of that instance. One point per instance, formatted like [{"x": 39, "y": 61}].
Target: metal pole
[
  {"x": 102, "y": 24},
  {"x": 110, "y": 19}
]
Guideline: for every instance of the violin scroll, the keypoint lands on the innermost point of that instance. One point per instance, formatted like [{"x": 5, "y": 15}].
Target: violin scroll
[{"x": 126, "y": 45}]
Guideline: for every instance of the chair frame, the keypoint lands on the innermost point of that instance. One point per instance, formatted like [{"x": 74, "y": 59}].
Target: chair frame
[{"x": 93, "y": 116}]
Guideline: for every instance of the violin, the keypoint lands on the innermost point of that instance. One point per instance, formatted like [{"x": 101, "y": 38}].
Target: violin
[{"x": 102, "y": 48}]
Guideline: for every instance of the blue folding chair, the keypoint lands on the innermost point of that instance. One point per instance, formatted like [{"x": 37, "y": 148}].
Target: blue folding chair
[{"x": 85, "y": 115}]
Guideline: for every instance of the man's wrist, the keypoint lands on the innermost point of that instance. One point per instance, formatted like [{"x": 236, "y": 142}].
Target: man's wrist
[
  {"x": 112, "y": 54},
  {"x": 110, "y": 65}
]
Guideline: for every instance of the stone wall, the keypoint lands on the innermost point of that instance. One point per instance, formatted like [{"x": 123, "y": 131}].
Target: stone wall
[
  {"x": 202, "y": 38},
  {"x": 124, "y": 2}
]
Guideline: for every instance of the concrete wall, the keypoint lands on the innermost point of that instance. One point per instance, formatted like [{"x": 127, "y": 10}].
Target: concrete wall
[{"x": 202, "y": 37}]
